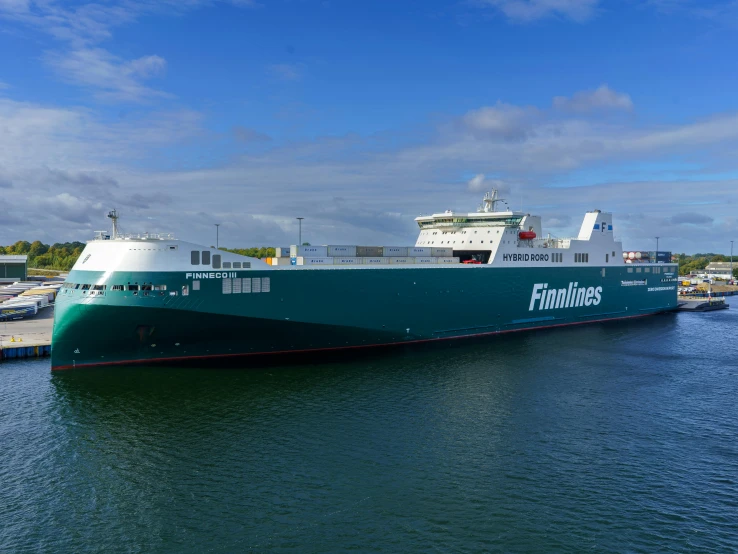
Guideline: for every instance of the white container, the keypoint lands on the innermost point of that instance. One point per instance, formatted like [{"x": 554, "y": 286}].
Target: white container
[
  {"x": 419, "y": 251},
  {"x": 441, "y": 251},
  {"x": 311, "y": 251},
  {"x": 318, "y": 260},
  {"x": 346, "y": 251},
  {"x": 426, "y": 260},
  {"x": 394, "y": 251},
  {"x": 345, "y": 260},
  {"x": 401, "y": 260},
  {"x": 375, "y": 261},
  {"x": 282, "y": 252},
  {"x": 448, "y": 260}
]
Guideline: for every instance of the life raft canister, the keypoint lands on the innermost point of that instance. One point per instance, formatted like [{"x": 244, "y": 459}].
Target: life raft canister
[{"x": 526, "y": 235}]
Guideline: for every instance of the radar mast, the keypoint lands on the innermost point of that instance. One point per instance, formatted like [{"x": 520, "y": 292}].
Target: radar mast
[{"x": 113, "y": 215}]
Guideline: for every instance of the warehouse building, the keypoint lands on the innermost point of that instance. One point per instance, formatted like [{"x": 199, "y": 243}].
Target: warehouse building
[
  {"x": 719, "y": 270},
  {"x": 13, "y": 268}
]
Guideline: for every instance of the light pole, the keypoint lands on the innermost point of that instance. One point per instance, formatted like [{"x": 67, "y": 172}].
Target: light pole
[
  {"x": 657, "y": 248},
  {"x": 299, "y": 240},
  {"x": 217, "y": 233},
  {"x": 731, "y": 261}
]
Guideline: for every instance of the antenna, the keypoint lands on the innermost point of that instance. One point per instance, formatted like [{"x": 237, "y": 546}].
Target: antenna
[
  {"x": 114, "y": 216},
  {"x": 490, "y": 201}
]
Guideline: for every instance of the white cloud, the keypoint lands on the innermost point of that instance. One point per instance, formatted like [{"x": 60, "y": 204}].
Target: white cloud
[
  {"x": 354, "y": 188},
  {"x": 525, "y": 11},
  {"x": 602, "y": 98},
  {"x": 4, "y": 86},
  {"x": 109, "y": 76},
  {"x": 286, "y": 71},
  {"x": 81, "y": 27},
  {"x": 479, "y": 183},
  {"x": 501, "y": 121}
]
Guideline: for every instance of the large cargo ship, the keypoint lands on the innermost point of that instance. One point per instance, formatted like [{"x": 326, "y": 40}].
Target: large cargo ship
[{"x": 153, "y": 299}]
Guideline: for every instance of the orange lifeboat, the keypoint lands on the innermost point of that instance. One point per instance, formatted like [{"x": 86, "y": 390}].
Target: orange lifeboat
[{"x": 526, "y": 235}]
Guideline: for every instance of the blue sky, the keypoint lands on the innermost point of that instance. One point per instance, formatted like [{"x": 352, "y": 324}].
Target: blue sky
[{"x": 361, "y": 115}]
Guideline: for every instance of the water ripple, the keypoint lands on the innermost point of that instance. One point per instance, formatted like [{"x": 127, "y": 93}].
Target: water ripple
[{"x": 608, "y": 438}]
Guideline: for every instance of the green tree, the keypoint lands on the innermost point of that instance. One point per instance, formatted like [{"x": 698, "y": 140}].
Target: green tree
[{"x": 38, "y": 248}]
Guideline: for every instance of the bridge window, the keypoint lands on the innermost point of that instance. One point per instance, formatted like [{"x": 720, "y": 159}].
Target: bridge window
[
  {"x": 236, "y": 265},
  {"x": 205, "y": 257},
  {"x": 195, "y": 257},
  {"x": 226, "y": 265},
  {"x": 216, "y": 261}
]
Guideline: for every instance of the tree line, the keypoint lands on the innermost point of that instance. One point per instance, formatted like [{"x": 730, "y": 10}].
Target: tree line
[
  {"x": 698, "y": 262},
  {"x": 60, "y": 256}
]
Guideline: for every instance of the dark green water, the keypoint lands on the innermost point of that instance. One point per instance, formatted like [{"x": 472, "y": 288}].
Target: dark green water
[{"x": 607, "y": 438}]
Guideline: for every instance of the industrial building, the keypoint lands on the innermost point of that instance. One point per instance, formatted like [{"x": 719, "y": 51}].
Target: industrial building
[
  {"x": 719, "y": 270},
  {"x": 13, "y": 268}
]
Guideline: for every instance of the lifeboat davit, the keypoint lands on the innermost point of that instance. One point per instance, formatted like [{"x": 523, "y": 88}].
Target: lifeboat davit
[{"x": 526, "y": 235}]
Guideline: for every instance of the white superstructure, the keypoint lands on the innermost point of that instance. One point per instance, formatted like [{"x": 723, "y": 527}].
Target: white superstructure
[{"x": 511, "y": 238}]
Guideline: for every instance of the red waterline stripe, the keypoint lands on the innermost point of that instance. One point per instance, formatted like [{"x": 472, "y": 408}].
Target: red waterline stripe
[{"x": 333, "y": 348}]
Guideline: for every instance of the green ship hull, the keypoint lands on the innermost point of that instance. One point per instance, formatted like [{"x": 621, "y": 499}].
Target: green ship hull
[{"x": 311, "y": 310}]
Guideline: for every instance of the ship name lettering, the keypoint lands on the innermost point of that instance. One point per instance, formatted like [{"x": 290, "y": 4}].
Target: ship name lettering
[
  {"x": 212, "y": 275},
  {"x": 525, "y": 257},
  {"x": 572, "y": 296}
]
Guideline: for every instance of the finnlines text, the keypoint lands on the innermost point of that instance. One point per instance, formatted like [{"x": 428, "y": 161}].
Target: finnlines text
[
  {"x": 573, "y": 296},
  {"x": 212, "y": 275}
]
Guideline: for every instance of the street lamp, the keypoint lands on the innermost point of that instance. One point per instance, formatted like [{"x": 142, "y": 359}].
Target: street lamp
[
  {"x": 731, "y": 260},
  {"x": 657, "y": 247},
  {"x": 299, "y": 240},
  {"x": 217, "y": 233}
]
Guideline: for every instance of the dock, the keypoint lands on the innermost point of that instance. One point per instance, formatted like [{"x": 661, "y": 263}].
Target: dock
[{"x": 27, "y": 338}]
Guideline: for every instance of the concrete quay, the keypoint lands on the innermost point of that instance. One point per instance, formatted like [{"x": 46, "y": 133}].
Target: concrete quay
[{"x": 27, "y": 338}]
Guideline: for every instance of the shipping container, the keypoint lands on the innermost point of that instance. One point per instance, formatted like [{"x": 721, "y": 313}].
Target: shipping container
[
  {"x": 394, "y": 251},
  {"x": 17, "y": 312},
  {"x": 349, "y": 251},
  {"x": 346, "y": 260},
  {"x": 308, "y": 260},
  {"x": 448, "y": 260},
  {"x": 39, "y": 301},
  {"x": 50, "y": 293},
  {"x": 401, "y": 260},
  {"x": 419, "y": 251},
  {"x": 311, "y": 251},
  {"x": 369, "y": 251},
  {"x": 282, "y": 261},
  {"x": 426, "y": 260},
  {"x": 282, "y": 251},
  {"x": 375, "y": 260},
  {"x": 439, "y": 251}
]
